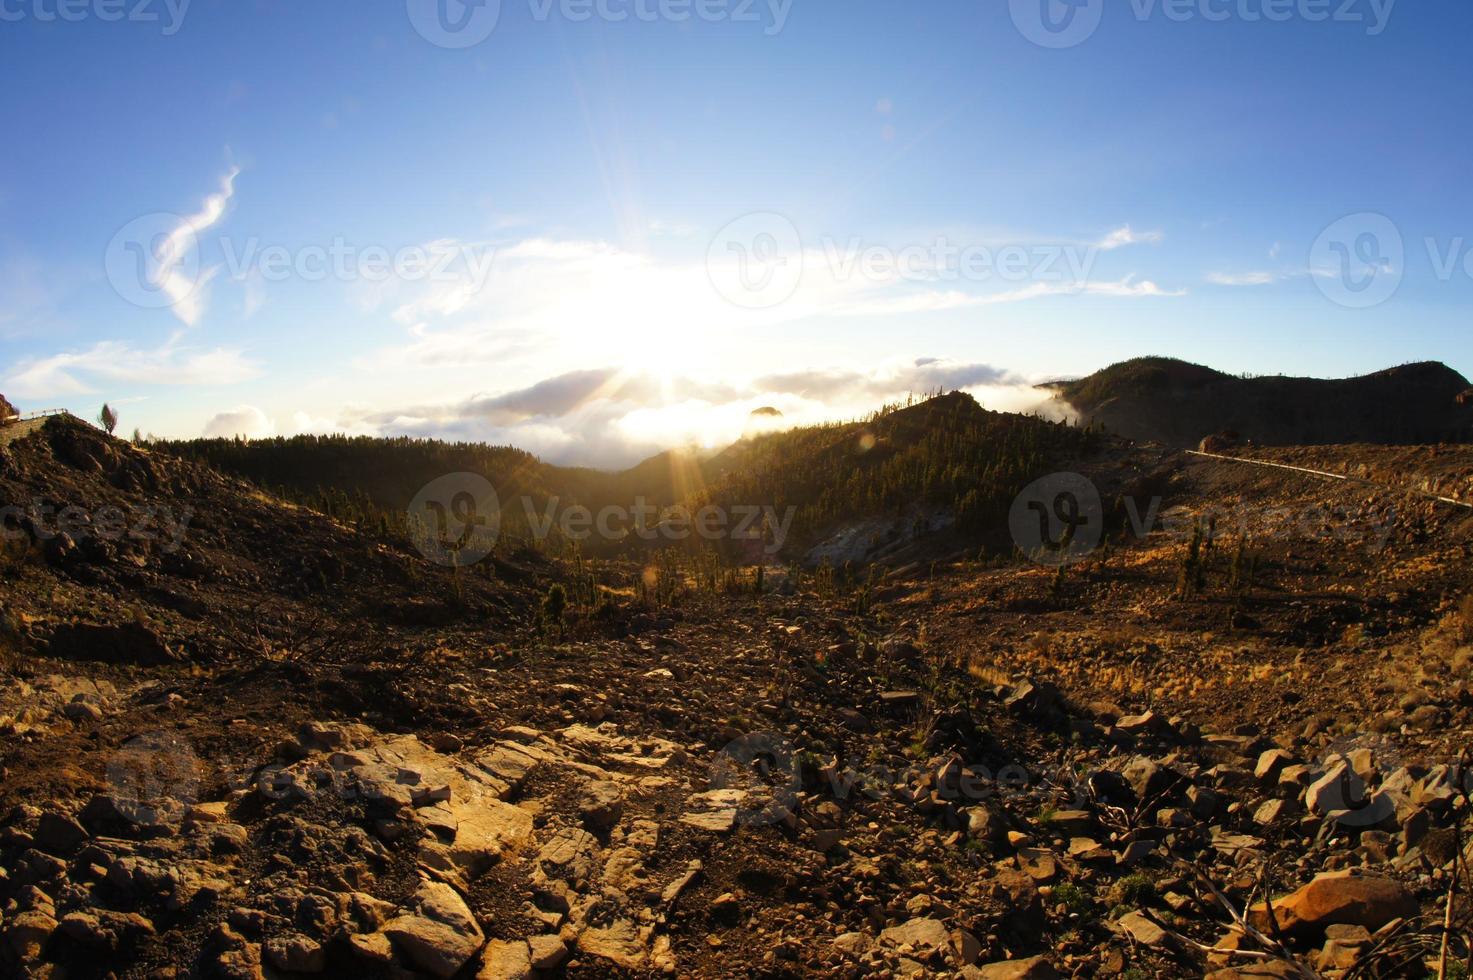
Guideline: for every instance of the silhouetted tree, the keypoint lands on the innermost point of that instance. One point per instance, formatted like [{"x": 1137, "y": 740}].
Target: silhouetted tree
[{"x": 107, "y": 418}]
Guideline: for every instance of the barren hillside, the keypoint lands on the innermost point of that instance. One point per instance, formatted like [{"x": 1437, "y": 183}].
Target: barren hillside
[{"x": 286, "y": 747}]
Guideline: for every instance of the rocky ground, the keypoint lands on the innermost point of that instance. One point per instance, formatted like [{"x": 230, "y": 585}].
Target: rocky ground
[{"x": 287, "y": 748}]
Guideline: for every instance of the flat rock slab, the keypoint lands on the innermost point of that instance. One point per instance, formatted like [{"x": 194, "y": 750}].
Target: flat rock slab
[
  {"x": 1144, "y": 931},
  {"x": 509, "y": 762},
  {"x": 460, "y": 803},
  {"x": 1256, "y": 971},
  {"x": 715, "y": 821},
  {"x": 569, "y": 854},
  {"x": 505, "y": 961},
  {"x": 620, "y": 944},
  {"x": 1032, "y": 968},
  {"x": 672, "y": 891}
]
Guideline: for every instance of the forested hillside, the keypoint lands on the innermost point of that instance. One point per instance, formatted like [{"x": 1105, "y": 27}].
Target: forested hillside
[{"x": 945, "y": 452}]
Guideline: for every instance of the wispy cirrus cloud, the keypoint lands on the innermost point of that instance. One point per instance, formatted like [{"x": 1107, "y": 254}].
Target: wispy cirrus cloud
[
  {"x": 28, "y": 295},
  {"x": 1246, "y": 278},
  {"x": 1268, "y": 277},
  {"x": 1123, "y": 236},
  {"x": 116, "y": 362},
  {"x": 1127, "y": 288},
  {"x": 188, "y": 294}
]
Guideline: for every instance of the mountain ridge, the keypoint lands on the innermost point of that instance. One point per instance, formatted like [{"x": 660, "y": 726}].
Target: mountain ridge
[{"x": 1178, "y": 403}]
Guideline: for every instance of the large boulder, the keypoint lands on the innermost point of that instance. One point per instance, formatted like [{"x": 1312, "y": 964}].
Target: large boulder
[
  {"x": 1220, "y": 442},
  {"x": 129, "y": 643},
  {"x": 926, "y": 936},
  {"x": 440, "y": 935},
  {"x": 1338, "y": 898}
]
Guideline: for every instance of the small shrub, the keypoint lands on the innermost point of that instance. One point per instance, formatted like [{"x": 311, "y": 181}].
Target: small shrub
[
  {"x": 553, "y": 607},
  {"x": 1076, "y": 899},
  {"x": 1193, "y": 577},
  {"x": 1133, "y": 891}
]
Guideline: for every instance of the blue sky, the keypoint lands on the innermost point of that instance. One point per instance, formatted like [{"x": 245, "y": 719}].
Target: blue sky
[{"x": 1188, "y": 179}]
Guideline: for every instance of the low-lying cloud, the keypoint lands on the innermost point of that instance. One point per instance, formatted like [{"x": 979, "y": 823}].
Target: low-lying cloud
[
  {"x": 244, "y": 420},
  {"x": 611, "y": 418},
  {"x": 924, "y": 375}
]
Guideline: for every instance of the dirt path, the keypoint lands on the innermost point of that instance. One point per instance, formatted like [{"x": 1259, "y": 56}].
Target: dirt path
[{"x": 1331, "y": 476}]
